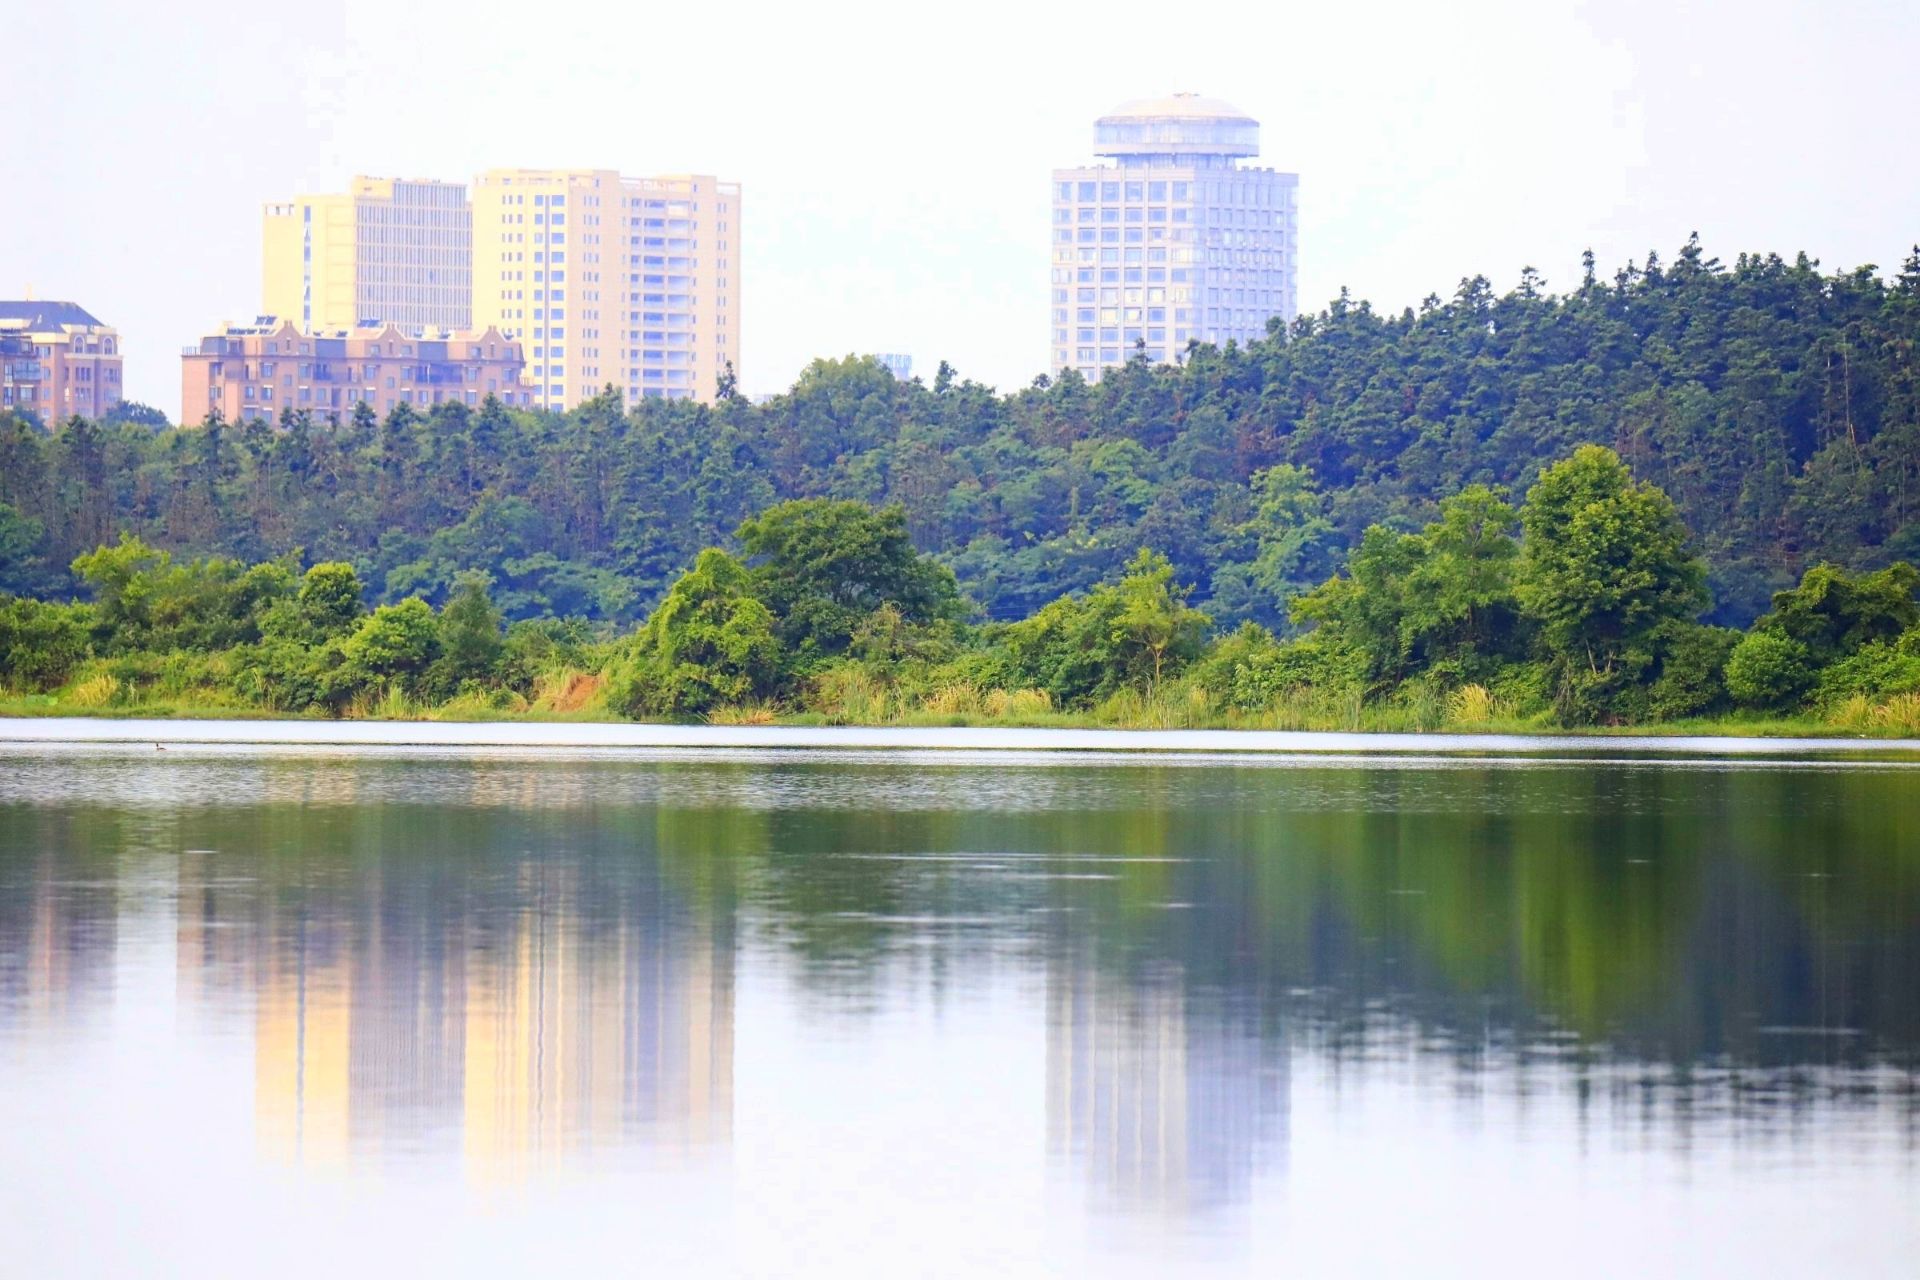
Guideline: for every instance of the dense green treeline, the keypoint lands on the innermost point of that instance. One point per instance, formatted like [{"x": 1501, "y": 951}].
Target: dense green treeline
[
  {"x": 1778, "y": 406},
  {"x": 1580, "y": 606}
]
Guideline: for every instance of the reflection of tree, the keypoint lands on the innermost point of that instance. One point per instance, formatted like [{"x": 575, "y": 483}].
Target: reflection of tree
[{"x": 529, "y": 960}]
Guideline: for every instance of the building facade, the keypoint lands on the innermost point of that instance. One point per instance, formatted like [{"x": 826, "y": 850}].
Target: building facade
[
  {"x": 633, "y": 283},
  {"x": 1175, "y": 241},
  {"x": 385, "y": 251},
  {"x": 254, "y": 371},
  {"x": 57, "y": 360}
]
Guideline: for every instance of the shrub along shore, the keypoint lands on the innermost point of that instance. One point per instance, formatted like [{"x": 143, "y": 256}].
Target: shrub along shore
[{"x": 1576, "y": 609}]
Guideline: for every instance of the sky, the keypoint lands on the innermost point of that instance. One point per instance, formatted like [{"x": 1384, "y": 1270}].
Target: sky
[{"x": 896, "y": 157}]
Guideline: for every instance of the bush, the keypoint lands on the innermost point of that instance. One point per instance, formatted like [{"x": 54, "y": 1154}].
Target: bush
[
  {"x": 41, "y": 643},
  {"x": 392, "y": 645},
  {"x": 1251, "y": 671},
  {"x": 709, "y": 644},
  {"x": 1878, "y": 671},
  {"x": 1769, "y": 672},
  {"x": 1692, "y": 680}
]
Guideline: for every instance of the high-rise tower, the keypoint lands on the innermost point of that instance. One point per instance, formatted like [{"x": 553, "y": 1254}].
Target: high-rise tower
[
  {"x": 385, "y": 251},
  {"x": 1174, "y": 241}
]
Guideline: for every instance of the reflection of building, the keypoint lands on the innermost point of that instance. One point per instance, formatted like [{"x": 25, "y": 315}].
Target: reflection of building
[
  {"x": 57, "y": 962},
  {"x": 303, "y": 1035},
  {"x": 525, "y": 1043},
  {"x": 1162, "y": 1101},
  {"x": 57, "y": 360},
  {"x": 1175, "y": 241},
  {"x": 576, "y": 1041}
]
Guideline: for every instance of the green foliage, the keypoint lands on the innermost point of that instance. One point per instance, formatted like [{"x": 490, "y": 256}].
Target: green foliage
[
  {"x": 41, "y": 643},
  {"x": 823, "y": 566},
  {"x": 1126, "y": 635},
  {"x": 1249, "y": 670},
  {"x": 1292, "y": 547},
  {"x": 392, "y": 646},
  {"x": 148, "y": 602},
  {"x": 1778, "y": 407},
  {"x": 1834, "y": 613},
  {"x": 1588, "y": 617},
  {"x": 1606, "y": 574},
  {"x": 1606, "y": 560},
  {"x": 23, "y": 567},
  {"x": 1768, "y": 671},
  {"x": 1412, "y": 603},
  {"x": 711, "y": 642},
  {"x": 1692, "y": 679},
  {"x": 329, "y": 599},
  {"x": 1875, "y": 671},
  {"x": 470, "y": 641},
  {"x": 541, "y": 646}
]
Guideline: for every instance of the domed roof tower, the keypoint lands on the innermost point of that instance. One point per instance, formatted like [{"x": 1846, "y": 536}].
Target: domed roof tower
[{"x": 1180, "y": 125}]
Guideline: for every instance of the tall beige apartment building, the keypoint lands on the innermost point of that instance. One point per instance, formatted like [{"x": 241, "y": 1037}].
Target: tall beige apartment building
[
  {"x": 385, "y": 251},
  {"x": 609, "y": 280}
]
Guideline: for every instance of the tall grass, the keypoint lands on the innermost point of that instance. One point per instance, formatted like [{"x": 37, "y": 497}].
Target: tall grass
[{"x": 1899, "y": 714}]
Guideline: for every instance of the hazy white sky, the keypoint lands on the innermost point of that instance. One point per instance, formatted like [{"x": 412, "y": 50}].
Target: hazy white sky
[{"x": 896, "y": 156}]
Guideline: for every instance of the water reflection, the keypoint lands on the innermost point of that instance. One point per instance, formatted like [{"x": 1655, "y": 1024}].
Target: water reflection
[
  {"x": 1166, "y": 1102},
  {"x": 520, "y": 968}
]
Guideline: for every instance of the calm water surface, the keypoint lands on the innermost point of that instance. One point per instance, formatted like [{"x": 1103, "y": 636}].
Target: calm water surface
[{"x": 840, "y": 1014}]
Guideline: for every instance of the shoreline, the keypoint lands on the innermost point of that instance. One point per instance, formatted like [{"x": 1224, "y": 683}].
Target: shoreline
[{"x": 577, "y": 735}]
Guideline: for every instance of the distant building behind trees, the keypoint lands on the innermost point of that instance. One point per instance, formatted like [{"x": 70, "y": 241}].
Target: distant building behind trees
[
  {"x": 384, "y": 251},
  {"x": 255, "y": 370},
  {"x": 606, "y": 279},
  {"x": 57, "y": 359},
  {"x": 1174, "y": 242}
]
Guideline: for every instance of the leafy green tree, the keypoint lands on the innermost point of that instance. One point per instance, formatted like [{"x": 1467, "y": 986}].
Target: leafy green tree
[
  {"x": 1834, "y": 613},
  {"x": 470, "y": 639},
  {"x": 710, "y": 643},
  {"x": 1467, "y": 576},
  {"x": 1292, "y": 545},
  {"x": 41, "y": 643},
  {"x": 330, "y": 598},
  {"x": 1692, "y": 677},
  {"x": 1153, "y": 623},
  {"x": 1130, "y": 634},
  {"x": 1768, "y": 671},
  {"x": 23, "y": 565},
  {"x": 137, "y": 414},
  {"x": 1605, "y": 566},
  {"x": 148, "y": 601},
  {"x": 823, "y": 566},
  {"x": 1414, "y": 602},
  {"x": 392, "y": 647}
]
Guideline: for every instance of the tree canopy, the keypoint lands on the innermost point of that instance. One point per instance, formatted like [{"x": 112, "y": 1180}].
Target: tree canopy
[{"x": 1777, "y": 405}]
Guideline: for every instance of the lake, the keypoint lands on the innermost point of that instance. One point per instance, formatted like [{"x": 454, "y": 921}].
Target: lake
[{"x": 845, "y": 1012}]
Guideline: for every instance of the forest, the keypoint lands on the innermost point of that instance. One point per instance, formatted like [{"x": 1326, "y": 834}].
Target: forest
[
  {"x": 1580, "y": 606},
  {"x": 1293, "y": 484}
]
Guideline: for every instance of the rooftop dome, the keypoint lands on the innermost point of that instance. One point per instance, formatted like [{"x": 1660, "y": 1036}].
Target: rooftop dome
[
  {"x": 1179, "y": 124},
  {"x": 1177, "y": 106}
]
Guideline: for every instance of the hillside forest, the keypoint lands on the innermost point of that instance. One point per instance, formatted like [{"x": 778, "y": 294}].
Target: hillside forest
[{"x": 1758, "y": 424}]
